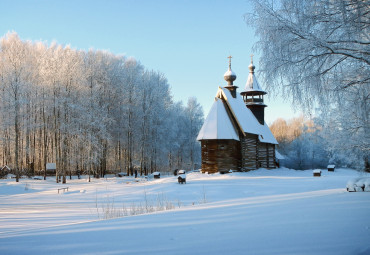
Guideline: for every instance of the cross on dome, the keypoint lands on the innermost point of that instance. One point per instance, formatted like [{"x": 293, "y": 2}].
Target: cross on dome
[{"x": 229, "y": 57}]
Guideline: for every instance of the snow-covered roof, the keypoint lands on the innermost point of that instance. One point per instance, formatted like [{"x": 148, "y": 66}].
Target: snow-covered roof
[
  {"x": 245, "y": 118},
  {"x": 331, "y": 166},
  {"x": 5, "y": 167},
  {"x": 252, "y": 84},
  {"x": 278, "y": 155},
  {"x": 217, "y": 124},
  {"x": 265, "y": 135}
]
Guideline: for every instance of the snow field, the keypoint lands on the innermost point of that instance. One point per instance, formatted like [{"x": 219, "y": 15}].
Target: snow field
[{"x": 260, "y": 212}]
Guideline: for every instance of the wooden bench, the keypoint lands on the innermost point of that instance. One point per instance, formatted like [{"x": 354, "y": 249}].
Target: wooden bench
[{"x": 64, "y": 189}]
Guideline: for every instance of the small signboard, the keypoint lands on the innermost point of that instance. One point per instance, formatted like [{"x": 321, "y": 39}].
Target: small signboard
[{"x": 51, "y": 166}]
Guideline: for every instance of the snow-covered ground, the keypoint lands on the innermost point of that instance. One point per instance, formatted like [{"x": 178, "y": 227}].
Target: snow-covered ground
[{"x": 260, "y": 212}]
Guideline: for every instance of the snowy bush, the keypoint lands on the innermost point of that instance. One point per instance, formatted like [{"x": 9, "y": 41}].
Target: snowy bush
[
  {"x": 358, "y": 184},
  {"x": 109, "y": 210}
]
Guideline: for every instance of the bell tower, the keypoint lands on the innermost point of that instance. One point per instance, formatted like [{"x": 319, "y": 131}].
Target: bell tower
[{"x": 253, "y": 95}]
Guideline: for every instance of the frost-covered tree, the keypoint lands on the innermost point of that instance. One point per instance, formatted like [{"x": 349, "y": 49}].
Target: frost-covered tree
[
  {"x": 15, "y": 77},
  {"x": 302, "y": 142},
  {"x": 90, "y": 112},
  {"x": 346, "y": 129},
  {"x": 194, "y": 117},
  {"x": 307, "y": 151},
  {"x": 318, "y": 53}
]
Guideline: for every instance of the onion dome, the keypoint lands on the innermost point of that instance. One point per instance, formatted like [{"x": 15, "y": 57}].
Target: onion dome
[
  {"x": 251, "y": 67},
  {"x": 230, "y": 76}
]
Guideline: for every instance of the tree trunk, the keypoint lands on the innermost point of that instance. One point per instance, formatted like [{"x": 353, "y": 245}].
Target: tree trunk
[{"x": 16, "y": 129}]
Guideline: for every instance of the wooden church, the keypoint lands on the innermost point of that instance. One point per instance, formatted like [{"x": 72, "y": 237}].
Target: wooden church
[{"x": 234, "y": 135}]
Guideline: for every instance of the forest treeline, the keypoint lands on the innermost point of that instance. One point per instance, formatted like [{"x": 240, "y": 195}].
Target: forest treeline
[
  {"x": 308, "y": 143},
  {"x": 301, "y": 143},
  {"x": 90, "y": 111}
]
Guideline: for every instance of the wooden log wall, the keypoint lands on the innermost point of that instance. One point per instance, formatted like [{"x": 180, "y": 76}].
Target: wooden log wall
[
  {"x": 262, "y": 155},
  {"x": 220, "y": 155},
  {"x": 209, "y": 155},
  {"x": 249, "y": 152},
  {"x": 266, "y": 155},
  {"x": 271, "y": 156}
]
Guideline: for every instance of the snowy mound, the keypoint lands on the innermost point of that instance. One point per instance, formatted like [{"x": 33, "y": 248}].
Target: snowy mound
[{"x": 358, "y": 184}]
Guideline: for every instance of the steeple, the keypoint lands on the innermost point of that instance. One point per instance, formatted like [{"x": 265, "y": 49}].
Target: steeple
[
  {"x": 253, "y": 95},
  {"x": 252, "y": 87},
  {"x": 230, "y": 77},
  {"x": 251, "y": 66}
]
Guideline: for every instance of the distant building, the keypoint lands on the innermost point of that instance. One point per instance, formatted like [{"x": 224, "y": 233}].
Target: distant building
[{"x": 234, "y": 135}]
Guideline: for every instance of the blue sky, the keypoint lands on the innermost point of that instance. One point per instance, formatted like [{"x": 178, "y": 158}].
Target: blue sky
[{"x": 188, "y": 41}]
